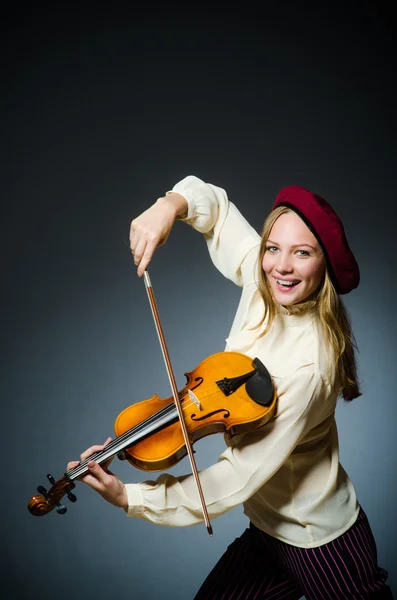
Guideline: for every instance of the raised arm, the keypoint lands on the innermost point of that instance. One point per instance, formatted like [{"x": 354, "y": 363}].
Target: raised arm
[
  {"x": 232, "y": 243},
  {"x": 206, "y": 208},
  {"x": 152, "y": 228}
]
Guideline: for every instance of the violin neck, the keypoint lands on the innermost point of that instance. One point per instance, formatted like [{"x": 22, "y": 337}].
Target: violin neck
[{"x": 154, "y": 423}]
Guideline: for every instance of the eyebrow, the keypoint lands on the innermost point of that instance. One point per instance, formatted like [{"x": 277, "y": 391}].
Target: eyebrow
[{"x": 269, "y": 241}]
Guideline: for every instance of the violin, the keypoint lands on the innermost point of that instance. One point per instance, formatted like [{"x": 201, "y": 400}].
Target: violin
[{"x": 228, "y": 393}]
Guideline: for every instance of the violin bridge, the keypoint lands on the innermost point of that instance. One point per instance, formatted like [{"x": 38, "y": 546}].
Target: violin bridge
[{"x": 194, "y": 399}]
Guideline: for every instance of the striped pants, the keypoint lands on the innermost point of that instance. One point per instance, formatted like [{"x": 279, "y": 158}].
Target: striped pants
[{"x": 257, "y": 566}]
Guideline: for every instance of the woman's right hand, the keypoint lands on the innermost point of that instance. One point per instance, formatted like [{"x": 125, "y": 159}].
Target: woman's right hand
[{"x": 152, "y": 228}]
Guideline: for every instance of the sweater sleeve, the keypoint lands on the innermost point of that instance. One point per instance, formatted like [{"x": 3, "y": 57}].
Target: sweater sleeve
[
  {"x": 249, "y": 461},
  {"x": 229, "y": 237}
]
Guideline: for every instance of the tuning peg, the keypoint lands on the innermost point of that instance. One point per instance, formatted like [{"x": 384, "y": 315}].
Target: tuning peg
[
  {"x": 61, "y": 509},
  {"x": 42, "y": 490},
  {"x": 71, "y": 496}
]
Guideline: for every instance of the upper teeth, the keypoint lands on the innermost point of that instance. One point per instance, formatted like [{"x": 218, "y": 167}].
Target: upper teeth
[{"x": 284, "y": 282}]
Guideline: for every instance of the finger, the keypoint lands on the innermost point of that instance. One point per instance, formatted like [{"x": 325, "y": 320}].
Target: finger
[
  {"x": 72, "y": 464},
  {"x": 98, "y": 473},
  {"x": 138, "y": 235},
  {"x": 105, "y": 464},
  {"x": 146, "y": 257},
  {"x": 133, "y": 237},
  {"x": 90, "y": 451},
  {"x": 139, "y": 250},
  {"x": 106, "y": 443},
  {"x": 93, "y": 477}
]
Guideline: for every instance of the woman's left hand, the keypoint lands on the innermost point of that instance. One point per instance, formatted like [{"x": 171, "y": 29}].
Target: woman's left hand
[{"x": 103, "y": 481}]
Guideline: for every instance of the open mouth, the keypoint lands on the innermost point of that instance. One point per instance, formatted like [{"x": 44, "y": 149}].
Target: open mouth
[{"x": 286, "y": 284}]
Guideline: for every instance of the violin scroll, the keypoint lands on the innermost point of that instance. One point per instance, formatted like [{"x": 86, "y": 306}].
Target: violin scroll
[{"x": 48, "y": 500}]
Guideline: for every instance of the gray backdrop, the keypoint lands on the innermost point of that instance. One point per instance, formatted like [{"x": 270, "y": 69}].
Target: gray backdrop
[{"x": 103, "y": 113}]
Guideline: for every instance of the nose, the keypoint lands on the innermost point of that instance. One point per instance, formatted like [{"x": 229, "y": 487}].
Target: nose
[{"x": 283, "y": 265}]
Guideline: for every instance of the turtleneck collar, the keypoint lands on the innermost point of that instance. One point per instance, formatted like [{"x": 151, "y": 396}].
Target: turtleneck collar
[{"x": 296, "y": 314}]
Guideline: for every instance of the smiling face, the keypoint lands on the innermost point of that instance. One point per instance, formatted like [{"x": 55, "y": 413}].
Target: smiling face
[{"x": 293, "y": 262}]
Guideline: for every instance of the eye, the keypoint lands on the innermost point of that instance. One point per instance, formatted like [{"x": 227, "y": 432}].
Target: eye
[
  {"x": 271, "y": 249},
  {"x": 303, "y": 253}
]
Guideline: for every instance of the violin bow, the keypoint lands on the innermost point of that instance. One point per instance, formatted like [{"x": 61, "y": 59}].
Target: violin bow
[{"x": 168, "y": 366}]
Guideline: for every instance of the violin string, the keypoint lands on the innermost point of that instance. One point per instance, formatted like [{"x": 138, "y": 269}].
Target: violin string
[
  {"x": 170, "y": 408},
  {"x": 140, "y": 428}
]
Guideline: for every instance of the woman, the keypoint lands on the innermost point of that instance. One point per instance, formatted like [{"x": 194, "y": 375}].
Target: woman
[{"x": 307, "y": 534}]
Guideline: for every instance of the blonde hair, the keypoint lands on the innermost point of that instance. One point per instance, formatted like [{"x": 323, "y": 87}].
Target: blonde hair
[{"x": 333, "y": 316}]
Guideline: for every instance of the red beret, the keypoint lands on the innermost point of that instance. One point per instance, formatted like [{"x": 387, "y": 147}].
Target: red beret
[{"x": 325, "y": 224}]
